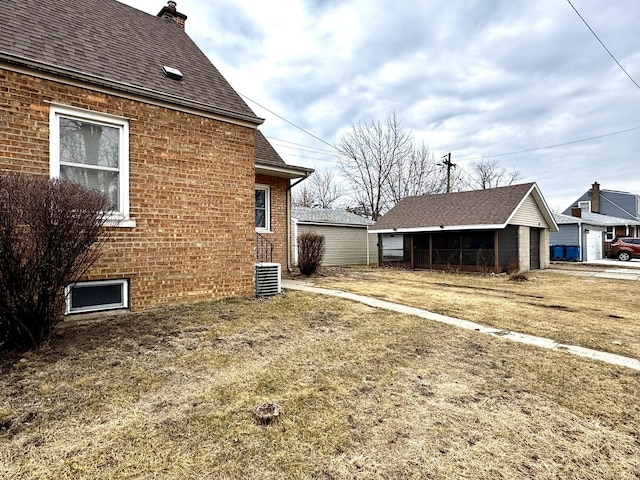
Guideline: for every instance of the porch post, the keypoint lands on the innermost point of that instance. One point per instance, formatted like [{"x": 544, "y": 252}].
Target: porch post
[
  {"x": 413, "y": 258},
  {"x": 496, "y": 251},
  {"x": 430, "y": 251}
]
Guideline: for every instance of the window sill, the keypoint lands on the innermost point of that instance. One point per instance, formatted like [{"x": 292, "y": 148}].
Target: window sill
[
  {"x": 120, "y": 222},
  {"x": 258, "y": 230}
]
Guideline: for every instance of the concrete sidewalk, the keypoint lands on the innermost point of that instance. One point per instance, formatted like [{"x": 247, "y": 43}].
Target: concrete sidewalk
[{"x": 610, "y": 358}]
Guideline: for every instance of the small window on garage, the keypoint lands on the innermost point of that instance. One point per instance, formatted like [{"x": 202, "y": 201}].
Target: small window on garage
[{"x": 96, "y": 296}]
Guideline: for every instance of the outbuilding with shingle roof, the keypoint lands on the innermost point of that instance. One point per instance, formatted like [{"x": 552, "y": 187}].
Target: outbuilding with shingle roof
[
  {"x": 495, "y": 229},
  {"x": 347, "y": 241}
]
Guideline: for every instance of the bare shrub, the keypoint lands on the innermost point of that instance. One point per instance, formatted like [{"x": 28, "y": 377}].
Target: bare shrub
[
  {"x": 310, "y": 252},
  {"x": 49, "y": 236},
  {"x": 512, "y": 266},
  {"x": 519, "y": 277}
]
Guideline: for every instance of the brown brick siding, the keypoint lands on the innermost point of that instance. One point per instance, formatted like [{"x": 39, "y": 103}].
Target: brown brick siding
[
  {"x": 278, "y": 216},
  {"x": 191, "y": 191}
]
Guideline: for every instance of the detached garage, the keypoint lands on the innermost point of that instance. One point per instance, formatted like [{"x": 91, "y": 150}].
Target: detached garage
[
  {"x": 497, "y": 229},
  {"x": 347, "y": 241}
]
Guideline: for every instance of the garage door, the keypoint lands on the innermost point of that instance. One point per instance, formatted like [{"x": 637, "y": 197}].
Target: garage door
[{"x": 594, "y": 245}]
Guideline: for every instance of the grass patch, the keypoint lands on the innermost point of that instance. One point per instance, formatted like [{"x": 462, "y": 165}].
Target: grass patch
[
  {"x": 364, "y": 393},
  {"x": 596, "y": 313}
]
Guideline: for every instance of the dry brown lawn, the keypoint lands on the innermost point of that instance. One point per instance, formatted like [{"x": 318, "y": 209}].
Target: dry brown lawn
[
  {"x": 364, "y": 393},
  {"x": 591, "y": 312}
]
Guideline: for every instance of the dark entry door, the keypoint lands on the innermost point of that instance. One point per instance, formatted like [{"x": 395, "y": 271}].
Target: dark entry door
[{"x": 534, "y": 250}]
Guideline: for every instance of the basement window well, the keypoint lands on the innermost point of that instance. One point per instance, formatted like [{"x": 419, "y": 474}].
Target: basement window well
[{"x": 98, "y": 295}]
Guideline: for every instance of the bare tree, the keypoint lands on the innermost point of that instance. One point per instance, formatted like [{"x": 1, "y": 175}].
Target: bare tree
[
  {"x": 321, "y": 190},
  {"x": 416, "y": 174},
  {"x": 367, "y": 156},
  {"x": 489, "y": 174}
]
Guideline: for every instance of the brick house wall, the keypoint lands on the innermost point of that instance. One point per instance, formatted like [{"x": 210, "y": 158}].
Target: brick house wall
[
  {"x": 278, "y": 210},
  {"x": 191, "y": 191}
]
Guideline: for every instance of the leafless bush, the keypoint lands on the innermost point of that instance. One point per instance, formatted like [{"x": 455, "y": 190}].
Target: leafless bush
[
  {"x": 310, "y": 252},
  {"x": 519, "y": 277},
  {"x": 49, "y": 236}
]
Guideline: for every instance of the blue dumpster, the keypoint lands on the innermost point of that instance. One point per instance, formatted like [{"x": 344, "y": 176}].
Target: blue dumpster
[
  {"x": 557, "y": 252},
  {"x": 572, "y": 253}
]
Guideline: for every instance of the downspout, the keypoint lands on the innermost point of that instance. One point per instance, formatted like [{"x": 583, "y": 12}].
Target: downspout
[
  {"x": 288, "y": 217},
  {"x": 580, "y": 234}
]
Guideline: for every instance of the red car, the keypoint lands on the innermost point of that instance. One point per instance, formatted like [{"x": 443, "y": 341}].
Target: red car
[{"x": 625, "y": 248}]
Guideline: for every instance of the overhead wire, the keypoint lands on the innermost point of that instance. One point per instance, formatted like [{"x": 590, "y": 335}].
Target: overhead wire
[
  {"x": 551, "y": 146},
  {"x": 289, "y": 122},
  {"x": 603, "y": 45}
]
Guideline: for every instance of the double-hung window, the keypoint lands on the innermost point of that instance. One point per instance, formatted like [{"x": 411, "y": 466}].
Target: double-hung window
[
  {"x": 610, "y": 234},
  {"x": 92, "y": 149},
  {"x": 263, "y": 200}
]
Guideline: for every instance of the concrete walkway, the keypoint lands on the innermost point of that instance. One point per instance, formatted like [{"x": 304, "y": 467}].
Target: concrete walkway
[
  {"x": 605, "y": 268},
  {"x": 514, "y": 336}
]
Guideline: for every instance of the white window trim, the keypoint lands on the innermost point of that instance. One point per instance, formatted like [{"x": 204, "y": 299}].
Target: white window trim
[
  {"x": 609, "y": 236},
  {"x": 98, "y": 308},
  {"x": 267, "y": 203},
  {"x": 117, "y": 219},
  {"x": 585, "y": 205}
]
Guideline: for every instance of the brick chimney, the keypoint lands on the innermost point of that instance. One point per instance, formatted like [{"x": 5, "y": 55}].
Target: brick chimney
[
  {"x": 576, "y": 212},
  {"x": 595, "y": 197},
  {"x": 171, "y": 14}
]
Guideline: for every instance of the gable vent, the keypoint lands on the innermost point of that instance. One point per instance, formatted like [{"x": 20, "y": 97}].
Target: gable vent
[
  {"x": 172, "y": 72},
  {"x": 267, "y": 279}
]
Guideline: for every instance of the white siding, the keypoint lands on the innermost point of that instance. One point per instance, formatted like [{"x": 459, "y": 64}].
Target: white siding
[
  {"x": 343, "y": 245},
  {"x": 529, "y": 214}
]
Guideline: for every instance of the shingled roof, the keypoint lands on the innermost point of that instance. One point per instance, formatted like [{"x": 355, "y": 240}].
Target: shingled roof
[
  {"x": 107, "y": 43},
  {"x": 477, "y": 209},
  {"x": 268, "y": 162},
  {"x": 323, "y": 216}
]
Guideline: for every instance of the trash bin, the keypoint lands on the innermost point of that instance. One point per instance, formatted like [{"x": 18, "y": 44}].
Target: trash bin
[
  {"x": 557, "y": 252},
  {"x": 572, "y": 253}
]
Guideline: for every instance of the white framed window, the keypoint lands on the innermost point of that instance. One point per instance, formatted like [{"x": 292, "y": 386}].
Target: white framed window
[
  {"x": 263, "y": 208},
  {"x": 610, "y": 234},
  {"x": 586, "y": 205},
  {"x": 92, "y": 149},
  {"x": 97, "y": 295}
]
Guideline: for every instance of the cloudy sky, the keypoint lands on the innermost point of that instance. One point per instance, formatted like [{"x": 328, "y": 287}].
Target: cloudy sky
[{"x": 474, "y": 78}]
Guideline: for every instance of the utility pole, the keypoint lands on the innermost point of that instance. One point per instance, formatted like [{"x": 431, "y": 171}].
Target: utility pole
[{"x": 447, "y": 163}]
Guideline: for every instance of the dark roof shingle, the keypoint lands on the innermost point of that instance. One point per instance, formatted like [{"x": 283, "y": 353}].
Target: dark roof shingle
[
  {"x": 478, "y": 207},
  {"x": 111, "y": 44}
]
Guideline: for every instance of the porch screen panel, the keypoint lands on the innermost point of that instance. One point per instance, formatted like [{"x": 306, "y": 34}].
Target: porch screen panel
[{"x": 508, "y": 246}]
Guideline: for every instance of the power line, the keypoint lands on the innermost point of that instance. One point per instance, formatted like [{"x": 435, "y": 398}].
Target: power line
[
  {"x": 290, "y": 123},
  {"x": 603, "y": 45},
  {"x": 551, "y": 146},
  {"x": 302, "y": 149},
  {"x": 302, "y": 145}
]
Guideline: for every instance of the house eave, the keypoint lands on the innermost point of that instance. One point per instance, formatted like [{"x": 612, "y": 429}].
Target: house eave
[
  {"x": 80, "y": 79},
  {"x": 285, "y": 171}
]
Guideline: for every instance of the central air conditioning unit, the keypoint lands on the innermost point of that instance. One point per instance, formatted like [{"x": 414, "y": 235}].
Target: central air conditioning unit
[{"x": 267, "y": 279}]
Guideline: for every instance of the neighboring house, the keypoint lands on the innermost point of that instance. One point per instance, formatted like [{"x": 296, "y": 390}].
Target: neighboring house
[
  {"x": 581, "y": 236},
  {"x": 125, "y": 102},
  {"x": 347, "y": 241},
  {"x": 482, "y": 230},
  {"x": 621, "y": 205}
]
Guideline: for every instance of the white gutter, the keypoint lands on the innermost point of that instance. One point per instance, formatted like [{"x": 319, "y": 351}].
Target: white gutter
[{"x": 442, "y": 228}]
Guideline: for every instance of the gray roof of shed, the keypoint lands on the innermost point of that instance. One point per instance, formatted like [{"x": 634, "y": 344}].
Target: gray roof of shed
[
  {"x": 329, "y": 217},
  {"x": 477, "y": 209},
  {"x": 107, "y": 43},
  {"x": 593, "y": 219}
]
